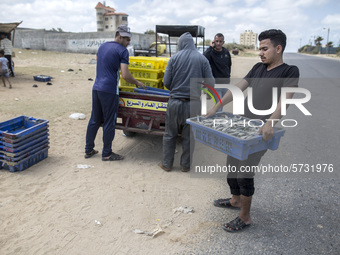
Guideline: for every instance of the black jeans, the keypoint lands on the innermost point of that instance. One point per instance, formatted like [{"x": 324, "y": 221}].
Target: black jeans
[{"x": 242, "y": 183}]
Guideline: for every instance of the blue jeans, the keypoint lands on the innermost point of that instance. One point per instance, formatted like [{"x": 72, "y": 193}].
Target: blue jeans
[{"x": 104, "y": 111}]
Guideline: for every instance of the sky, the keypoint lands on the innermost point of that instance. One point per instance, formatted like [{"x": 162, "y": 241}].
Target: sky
[{"x": 300, "y": 20}]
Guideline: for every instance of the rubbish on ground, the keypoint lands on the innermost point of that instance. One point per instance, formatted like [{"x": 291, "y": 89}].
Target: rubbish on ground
[
  {"x": 77, "y": 116},
  {"x": 184, "y": 209},
  {"x": 83, "y": 166},
  {"x": 97, "y": 222},
  {"x": 160, "y": 229},
  {"x": 153, "y": 234}
]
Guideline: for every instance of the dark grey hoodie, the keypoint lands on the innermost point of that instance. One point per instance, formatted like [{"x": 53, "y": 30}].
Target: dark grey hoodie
[{"x": 187, "y": 64}]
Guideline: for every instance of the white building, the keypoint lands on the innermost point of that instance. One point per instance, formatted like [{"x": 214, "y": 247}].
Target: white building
[
  {"x": 108, "y": 19},
  {"x": 249, "y": 38}
]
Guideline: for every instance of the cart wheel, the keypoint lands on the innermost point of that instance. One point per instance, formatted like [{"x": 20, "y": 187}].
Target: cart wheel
[{"x": 129, "y": 133}]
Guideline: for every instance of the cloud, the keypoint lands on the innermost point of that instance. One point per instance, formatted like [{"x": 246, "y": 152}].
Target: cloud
[
  {"x": 297, "y": 18},
  {"x": 332, "y": 20}
]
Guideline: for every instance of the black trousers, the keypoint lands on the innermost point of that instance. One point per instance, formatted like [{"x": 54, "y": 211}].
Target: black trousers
[{"x": 242, "y": 183}]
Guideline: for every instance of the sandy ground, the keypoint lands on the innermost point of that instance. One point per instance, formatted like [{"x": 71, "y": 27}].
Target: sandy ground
[{"x": 54, "y": 207}]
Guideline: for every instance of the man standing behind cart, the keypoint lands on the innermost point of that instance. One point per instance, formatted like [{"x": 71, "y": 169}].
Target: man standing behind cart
[
  {"x": 111, "y": 57},
  {"x": 262, "y": 78},
  {"x": 184, "y": 100},
  {"x": 220, "y": 61}
]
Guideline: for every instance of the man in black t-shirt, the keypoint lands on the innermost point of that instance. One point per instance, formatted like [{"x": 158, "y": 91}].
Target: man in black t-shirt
[
  {"x": 262, "y": 78},
  {"x": 220, "y": 62}
]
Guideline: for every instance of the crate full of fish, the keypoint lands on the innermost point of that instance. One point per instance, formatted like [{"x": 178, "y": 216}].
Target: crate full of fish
[{"x": 231, "y": 134}]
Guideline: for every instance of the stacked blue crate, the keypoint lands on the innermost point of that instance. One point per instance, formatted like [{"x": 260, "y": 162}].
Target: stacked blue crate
[{"x": 23, "y": 142}]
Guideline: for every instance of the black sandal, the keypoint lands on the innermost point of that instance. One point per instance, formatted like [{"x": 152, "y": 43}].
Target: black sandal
[
  {"x": 113, "y": 157},
  {"x": 225, "y": 203},
  {"x": 89, "y": 155},
  {"x": 235, "y": 225}
]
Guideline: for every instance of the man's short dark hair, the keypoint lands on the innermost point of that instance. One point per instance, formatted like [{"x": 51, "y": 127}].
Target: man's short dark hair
[
  {"x": 2, "y": 52},
  {"x": 219, "y": 35},
  {"x": 276, "y": 36}
]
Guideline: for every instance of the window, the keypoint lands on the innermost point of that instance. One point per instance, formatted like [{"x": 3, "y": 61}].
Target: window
[
  {"x": 106, "y": 19},
  {"x": 124, "y": 18},
  {"x": 106, "y": 27}
]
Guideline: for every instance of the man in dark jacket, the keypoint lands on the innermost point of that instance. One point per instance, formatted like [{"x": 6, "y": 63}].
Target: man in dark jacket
[
  {"x": 181, "y": 71},
  {"x": 220, "y": 62}
]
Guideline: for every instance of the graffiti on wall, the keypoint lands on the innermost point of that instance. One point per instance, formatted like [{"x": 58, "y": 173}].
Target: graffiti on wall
[{"x": 89, "y": 44}]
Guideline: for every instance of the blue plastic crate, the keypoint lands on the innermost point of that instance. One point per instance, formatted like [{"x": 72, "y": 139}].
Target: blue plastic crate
[
  {"x": 26, "y": 162},
  {"x": 13, "y": 156},
  {"x": 233, "y": 146},
  {"x": 17, "y": 142},
  {"x": 20, "y": 126},
  {"x": 154, "y": 91},
  {"x": 25, "y": 145},
  {"x": 13, "y": 147},
  {"x": 43, "y": 78}
]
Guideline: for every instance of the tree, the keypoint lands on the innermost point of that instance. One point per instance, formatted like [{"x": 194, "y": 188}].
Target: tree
[
  {"x": 329, "y": 44},
  {"x": 206, "y": 42},
  {"x": 56, "y": 30},
  {"x": 149, "y": 32},
  {"x": 318, "y": 40}
]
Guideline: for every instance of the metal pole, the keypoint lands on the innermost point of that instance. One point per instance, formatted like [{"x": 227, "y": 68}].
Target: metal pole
[{"x": 327, "y": 41}]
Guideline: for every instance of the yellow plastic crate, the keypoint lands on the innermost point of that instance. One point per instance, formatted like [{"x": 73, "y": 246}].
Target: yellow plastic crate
[
  {"x": 126, "y": 88},
  {"x": 146, "y": 73},
  {"x": 165, "y": 62},
  {"x": 155, "y": 83},
  {"x": 146, "y": 62}
]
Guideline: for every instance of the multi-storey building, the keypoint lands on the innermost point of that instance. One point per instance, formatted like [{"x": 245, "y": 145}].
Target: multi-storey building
[
  {"x": 108, "y": 19},
  {"x": 249, "y": 38}
]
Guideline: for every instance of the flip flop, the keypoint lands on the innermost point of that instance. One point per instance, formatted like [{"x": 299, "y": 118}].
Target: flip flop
[
  {"x": 89, "y": 155},
  {"x": 235, "y": 225},
  {"x": 225, "y": 203},
  {"x": 113, "y": 157}
]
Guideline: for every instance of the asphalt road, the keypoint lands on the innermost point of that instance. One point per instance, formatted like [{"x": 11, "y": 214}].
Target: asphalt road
[{"x": 292, "y": 213}]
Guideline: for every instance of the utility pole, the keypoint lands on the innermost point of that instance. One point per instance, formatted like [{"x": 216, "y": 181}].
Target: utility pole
[{"x": 327, "y": 39}]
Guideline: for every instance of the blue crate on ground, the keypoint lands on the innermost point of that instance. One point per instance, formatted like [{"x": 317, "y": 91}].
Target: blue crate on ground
[
  {"x": 26, "y": 162},
  {"x": 14, "y": 156},
  {"x": 19, "y": 141},
  {"x": 20, "y": 126},
  {"x": 24, "y": 146},
  {"x": 233, "y": 146},
  {"x": 43, "y": 78}
]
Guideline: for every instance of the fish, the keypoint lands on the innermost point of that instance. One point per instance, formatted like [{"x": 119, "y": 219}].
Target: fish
[{"x": 234, "y": 125}]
